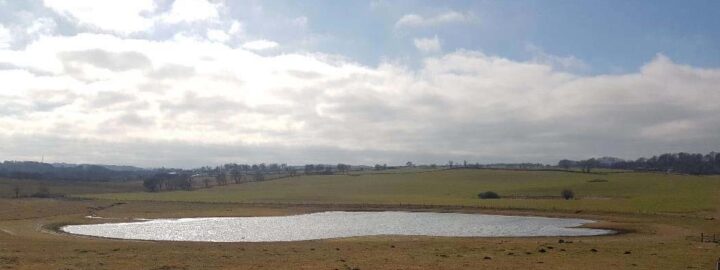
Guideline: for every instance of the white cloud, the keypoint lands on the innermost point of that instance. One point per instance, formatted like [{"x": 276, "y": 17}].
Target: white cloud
[
  {"x": 301, "y": 21},
  {"x": 123, "y": 17},
  {"x": 191, "y": 11},
  {"x": 217, "y": 35},
  {"x": 132, "y": 16},
  {"x": 5, "y": 37},
  {"x": 415, "y": 20},
  {"x": 206, "y": 102},
  {"x": 259, "y": 45},
  {"x": 410, "y": 20},
  {"x": 236, "y": 28},
  {"x": 194, "y": 99},
  {"x": 428, "y": 45},
  {"x": 558, "y": 62},
  {"x": 42, "y": 26}
]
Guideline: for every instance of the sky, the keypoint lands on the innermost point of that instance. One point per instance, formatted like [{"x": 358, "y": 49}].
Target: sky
[{"x": 187, "y": 83}]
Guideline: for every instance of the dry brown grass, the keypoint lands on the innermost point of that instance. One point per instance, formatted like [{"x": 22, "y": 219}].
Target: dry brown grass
[{"x": 658, "y": 242}]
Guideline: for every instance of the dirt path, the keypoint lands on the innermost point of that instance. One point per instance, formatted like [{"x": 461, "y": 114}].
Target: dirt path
[{"x": 7, "y": 231}]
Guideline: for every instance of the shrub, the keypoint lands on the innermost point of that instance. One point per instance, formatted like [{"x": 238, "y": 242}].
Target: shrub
[
  {"x": 42, "y": 192},
  {"x": 152, "y": 184},
  {"x": 567, "y": 194},
  {"x": 488, "y": 195}
]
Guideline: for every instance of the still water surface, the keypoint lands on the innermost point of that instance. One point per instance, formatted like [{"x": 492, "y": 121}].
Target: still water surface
[{"x": 336, "y": 224}]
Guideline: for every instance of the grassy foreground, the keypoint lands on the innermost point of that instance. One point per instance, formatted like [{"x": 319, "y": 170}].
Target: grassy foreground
[
  {"x": 663, "y": 215},
  {"x": 532, "y": 190}
]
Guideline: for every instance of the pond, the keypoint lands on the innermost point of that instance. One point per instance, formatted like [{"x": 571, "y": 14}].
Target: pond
[{"x": 336, "y": 224}]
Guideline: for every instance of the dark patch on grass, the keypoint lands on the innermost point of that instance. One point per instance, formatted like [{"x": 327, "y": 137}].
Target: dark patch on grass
[
  {"x": 170, "y": 267},
  {"x": 597, "y": 180},
  {"x": 488, "y": 195},
  {"x": 8, "y": 260}
]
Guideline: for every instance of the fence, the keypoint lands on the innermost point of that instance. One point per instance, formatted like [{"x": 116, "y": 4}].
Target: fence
[{"x": 709, "y": 238}]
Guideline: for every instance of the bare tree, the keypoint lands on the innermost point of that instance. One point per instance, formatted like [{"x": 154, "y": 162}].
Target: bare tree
[
  {"x": 565, "y": 164},
  {"x": 206, "y": 181},
  {"x": 221, "y": 178},
  {"x": 16, "y": 189},
  {"x": 152, "y": 184},
  {"x": 259, "y": 176},
  {"x": 236, "y": 175},
  {"x": 309, "y": 169},
  {"x": 589, "y": 164},
  {"x": 343, "y": 168},
  {"x": 292, "y": 171},
  {"x": 185, "y": 182}
]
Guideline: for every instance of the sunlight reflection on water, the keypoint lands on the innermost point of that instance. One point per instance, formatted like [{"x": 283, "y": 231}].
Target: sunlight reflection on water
[{"x": 336, "y": 224}]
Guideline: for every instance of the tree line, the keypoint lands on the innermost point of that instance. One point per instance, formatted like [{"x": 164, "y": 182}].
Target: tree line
[
  {"x": 326, "y": 169},
  {"x": 207, "y": 176},
  {"x": 687, "y": 163},
  {"x": 168, "y": 181}
]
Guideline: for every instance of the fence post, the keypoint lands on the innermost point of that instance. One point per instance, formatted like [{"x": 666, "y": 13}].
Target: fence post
[
  {"x": 702, "y": 237},
  {"x": 717, "y": 264}
]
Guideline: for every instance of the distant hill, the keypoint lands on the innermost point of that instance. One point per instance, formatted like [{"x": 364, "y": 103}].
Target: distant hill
[
  {"x": 119, "y": 168},
  {"x": 70, "y": 172}
]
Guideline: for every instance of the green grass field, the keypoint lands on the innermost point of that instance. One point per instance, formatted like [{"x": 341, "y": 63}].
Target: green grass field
[
  {"x": 661, "y": 240},
  {"x": 532, "y": 190}
]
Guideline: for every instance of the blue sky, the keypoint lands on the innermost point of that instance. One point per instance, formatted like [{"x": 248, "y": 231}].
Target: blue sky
[
  {"x": 610, "y": 36},
  {"x": 202, "y": 82}
]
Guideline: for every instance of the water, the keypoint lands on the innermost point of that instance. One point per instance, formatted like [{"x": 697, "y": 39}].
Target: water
[{"x": 336, "y": 224}]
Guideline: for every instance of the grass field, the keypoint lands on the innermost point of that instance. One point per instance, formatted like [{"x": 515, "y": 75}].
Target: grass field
[
  {"x": 663, "y": 216},
  {"x": 533, "y": 190},
  {"x": 64, "y": 188}
]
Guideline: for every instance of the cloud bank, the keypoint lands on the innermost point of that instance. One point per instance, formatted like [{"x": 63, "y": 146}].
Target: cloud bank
[
  {"x": 111, "y": 98},
  {"x": 415, "y": 20},
  {"x": 428, "y": 45},
  {"x": 259, "y": 45}
]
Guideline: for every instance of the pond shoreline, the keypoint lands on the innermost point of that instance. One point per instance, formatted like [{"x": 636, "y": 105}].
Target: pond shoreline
[{"x": 338, "y": 225}]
